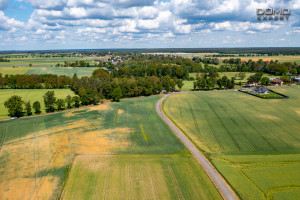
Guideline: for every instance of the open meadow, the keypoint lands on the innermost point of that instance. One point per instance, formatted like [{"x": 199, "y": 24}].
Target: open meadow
[
  {"x": 45, "y": 65},
  {"x": 31, "y": 95},
  {"x": 254, "y": 143},
  {"x": 124, "y": 141}
]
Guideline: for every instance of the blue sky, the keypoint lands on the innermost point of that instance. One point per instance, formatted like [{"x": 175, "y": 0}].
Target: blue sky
[{"x": 90, "y": 24}]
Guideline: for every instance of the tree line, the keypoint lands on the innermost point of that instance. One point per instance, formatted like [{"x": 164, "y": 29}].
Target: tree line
[{"x": 17, "y": 107}]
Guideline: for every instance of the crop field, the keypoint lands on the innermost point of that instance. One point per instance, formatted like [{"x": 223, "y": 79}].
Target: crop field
[
  {"x": 36, "y": 153},
  {"x": 253, "y": 142},
  {"x": 137, "y": 177},
  {"x": 269, "y": 58},
  {"x": 68, "y": 71},
  {"x": 31, "y": 95},
  {"x": 45, "y": 65}
]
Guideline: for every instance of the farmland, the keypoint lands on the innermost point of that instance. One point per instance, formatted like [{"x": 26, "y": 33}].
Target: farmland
[
  {"x": 36, "y": 154},
  {"x": 254, "y": 143},
  {"x": 44, "y": 65},
  {"x": 137, "y": 177},
  {"x": 31, "y": 95},
  {"x": 67, "y": 71}
]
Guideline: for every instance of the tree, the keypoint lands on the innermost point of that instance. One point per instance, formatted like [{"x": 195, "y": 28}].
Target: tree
[
  {"x": 60, "y": 104},
  {"x": 15, "y": 106},
  {"x": 37, "y": 107},
  {"x": 28, "y": 108},
  {"x": 265, "y": 81},
  {"x": 180, "y": 83},
  {"x": 49, "y": 100},
  {"x": 242, "y": 75},
  {"x": 76, "y": 100},
  {"x": 116, "y": 94},
  {"x": 69, "y": 101}
]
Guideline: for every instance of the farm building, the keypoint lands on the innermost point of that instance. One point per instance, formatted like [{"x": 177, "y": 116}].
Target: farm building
[
  {"x": 252, "y": 83},
  {"x": 277, "y": 81},
  {"x": 261, "y": 90}
]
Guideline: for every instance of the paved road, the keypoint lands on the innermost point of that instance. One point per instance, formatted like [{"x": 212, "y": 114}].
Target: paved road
[{"x": 220, "y": 183}]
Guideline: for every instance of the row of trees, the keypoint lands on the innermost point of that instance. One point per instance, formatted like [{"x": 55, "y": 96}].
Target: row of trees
[
  {"x": 17, "y": 107},
  {"x": 206, "y": 82}
]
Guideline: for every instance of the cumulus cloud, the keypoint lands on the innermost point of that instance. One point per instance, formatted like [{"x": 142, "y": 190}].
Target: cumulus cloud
[
  {"x": 120, "y": 20},
  {"x": 7, "y": 23}
]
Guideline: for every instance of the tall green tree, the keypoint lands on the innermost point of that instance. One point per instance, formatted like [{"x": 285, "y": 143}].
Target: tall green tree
[
  {"x": 60, "y": 104},
  {"x": 76, "y": 100},
  {"x": 49, "y": 100},
  {"x": 28, "y": 108},
  {"x": 116, "y": 94},
  {"x": 69, "y": 101},
  {"x": 15, "y": 106},
  {"x": 37, "y": 107},
  {"x": 180, "y": 83}
]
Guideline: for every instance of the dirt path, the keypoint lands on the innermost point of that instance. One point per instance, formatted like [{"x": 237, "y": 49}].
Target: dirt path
[{"x": 217, "y": 179}]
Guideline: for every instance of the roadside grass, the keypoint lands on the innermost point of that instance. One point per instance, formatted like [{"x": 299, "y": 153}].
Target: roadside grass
[
  {"x": 31, "y": 95},
  {"x": 138, "y": 177},
  {"x": 36, "y": 152},
  {"x": 252, "y": 142}
]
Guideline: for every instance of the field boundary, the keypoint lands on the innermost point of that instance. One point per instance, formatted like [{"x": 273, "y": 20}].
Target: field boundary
[{"x": 220, "y": 183}]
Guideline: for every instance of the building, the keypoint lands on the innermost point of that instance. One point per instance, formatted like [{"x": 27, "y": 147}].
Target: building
[
  {"x": 277, "y": 81},
  {"x": 261, "y": 90}
]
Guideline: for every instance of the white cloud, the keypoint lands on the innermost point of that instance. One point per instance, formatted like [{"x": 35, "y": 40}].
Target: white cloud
[{"x": 10, "y": 24}]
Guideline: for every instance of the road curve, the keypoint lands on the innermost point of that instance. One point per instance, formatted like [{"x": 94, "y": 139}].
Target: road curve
[{"x": 217, "y": 179}]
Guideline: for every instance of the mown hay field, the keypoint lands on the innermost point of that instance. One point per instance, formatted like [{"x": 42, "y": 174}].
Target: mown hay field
[
  {"x": 137, "y": 177},
  {"x": 31, "y": 95},
  {"x": 36, "y": 153},
  {"x": 254, "y": 143}
]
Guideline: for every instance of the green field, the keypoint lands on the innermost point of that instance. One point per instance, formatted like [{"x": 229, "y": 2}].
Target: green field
[
  {"x": 45, "y": 65},
  {"x": 253, "y": 142},
  {"x": 36, "y": 153},
  {"x": 31, "y": 95},
  {"x": 137, "y": 177},
  {"x": 68, "y": 71}
]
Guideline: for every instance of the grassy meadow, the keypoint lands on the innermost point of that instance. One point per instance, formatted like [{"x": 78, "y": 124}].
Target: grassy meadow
[
  {"x": 45, "y": 65},
  {"x": 124, "y": 141},
  {"x": 31, "y": 95},
  {"x": 254, "y": 143},
  {"x": 67, "y": 71}
]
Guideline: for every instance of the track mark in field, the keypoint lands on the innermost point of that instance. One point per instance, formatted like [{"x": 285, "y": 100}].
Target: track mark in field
[
  {"x": 175, "y": 184},
  {"x": 223, "y": 124},
  {"x": 2, "y": 136},
  {"x": 152, "y": 182},
  {"x": 237, "y": 125},
  {"x": 144, "y": 133},
  {"x": 129, "y": 183},
  {"x": 211, "y": 128},
  {"x": 251, "y": 125},
  {"x": 195, "y": 121},
  {"x": 35, "y": 149},
  {"x": 106, "y": 182},
  {"x": 45, "y": 175},
  {"x": 116, "y": 115}
]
